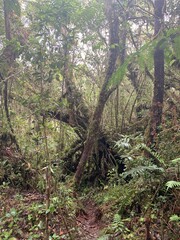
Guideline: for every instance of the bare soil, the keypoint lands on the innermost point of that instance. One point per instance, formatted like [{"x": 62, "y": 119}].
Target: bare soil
[{"x": 90, "y": 220}]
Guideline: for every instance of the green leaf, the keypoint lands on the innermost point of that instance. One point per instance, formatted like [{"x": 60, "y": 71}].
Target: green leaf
[
  {"x": 153, "y": 153},
  {"x": 104, "y": 237},
  {"x": 174, "y": 218},
  {"x": 177, "y": 47},
  {"x": 40, "y": 225},
  {"x": 13, "y": 212},
  {"x": 8, "y": 215},
  {"x": 119, "y": 74},
  {"x": 176, "y": 161},
  {"x": 13, "y": 6},
  {"x": 172, "y": 184},
  {"x": 138, "y": 171}
]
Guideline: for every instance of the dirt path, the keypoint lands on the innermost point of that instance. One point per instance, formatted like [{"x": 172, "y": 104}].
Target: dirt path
[
  {"x": 90, "y": 221},
  {"x": 31, "y": 203}
]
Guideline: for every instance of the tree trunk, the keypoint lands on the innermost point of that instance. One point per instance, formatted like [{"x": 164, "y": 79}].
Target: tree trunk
[
  {"x": 92, "y": 136},
  {"x": 8, "y": 37},
  {"x": 157, "y": 103},
  {"x": 10, "y": 57},
  {"x": 94, "y": 126}
]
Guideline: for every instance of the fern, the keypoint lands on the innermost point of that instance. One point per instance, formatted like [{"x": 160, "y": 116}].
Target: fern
[
  {"x": 117, "y": 219},
  {"x": 176, "y": 161},
  {"x": 140, "y": 170},
  {"x": 172, "y": 184},
  {"x": 104, "y": 237},
  {"x": 123, "y": 143},
  {"x": 152, "y": 153},
  {"x": 118, "y": 224},
  {"x": 174, "y": 218}
]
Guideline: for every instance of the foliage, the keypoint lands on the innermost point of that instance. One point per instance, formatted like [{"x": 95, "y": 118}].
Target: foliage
[
  {"x": 11, "y": 221},
  {"x": 173, "y": 184},
  {"x": 131, "y": 149},
  {"x": 31, "y": 223},
  {"x": 174, "y": 218},
  {"x": 139, "y": 183},
  {"x": 176, "y": 161},
  {"x": 11, "y": 172},
  {"x": 117, "y": 227},
  {"x": 141, "y": 170},
  {"x": 119, "y": 74},
  {"x": 13, "y": 5},
  {"x": 46, "y": 120}
]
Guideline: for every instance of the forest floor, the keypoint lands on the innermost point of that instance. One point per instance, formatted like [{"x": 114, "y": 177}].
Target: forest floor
[
  {"x": 90, "y": 220},
  {"x": 22, "y": 214},
  {"x": 23, "y": 217}
]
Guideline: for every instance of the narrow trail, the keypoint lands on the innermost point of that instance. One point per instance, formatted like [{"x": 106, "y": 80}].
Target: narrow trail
[{"x": 90, "y": 221}]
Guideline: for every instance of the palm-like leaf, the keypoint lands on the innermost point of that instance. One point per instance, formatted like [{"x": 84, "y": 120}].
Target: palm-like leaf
[{"x": 173, "y": 184}]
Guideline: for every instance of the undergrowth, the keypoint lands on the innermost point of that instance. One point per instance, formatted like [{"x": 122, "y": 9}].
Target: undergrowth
[
  {"x": 142, "y": 195},
  {"x": 24, "y": 216},
  {"x": 145, "y": 194}
]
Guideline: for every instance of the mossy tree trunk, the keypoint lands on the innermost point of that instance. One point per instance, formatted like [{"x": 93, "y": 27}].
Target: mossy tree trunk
[
  {"x": 158, "y": 95},
  {"x": 94, "y": 125},
  {"x": 8, "y": 56}
]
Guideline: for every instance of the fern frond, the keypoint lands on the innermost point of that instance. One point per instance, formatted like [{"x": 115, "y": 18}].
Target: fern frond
[
  {"x": 104, "y": 237},
  {"x": 174, "y": 218},
  {"x": 176, "y": 161},
  {"x": 151, "y": 152},
  {"x": 140, "y": 170},
  {"x": 117, "y": 218},
  {"x": 172, "y": 184},
  {"x": 123, "y": 143}
]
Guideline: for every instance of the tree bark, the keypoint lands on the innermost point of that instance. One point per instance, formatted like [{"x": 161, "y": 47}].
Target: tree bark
[
  {"x": 158, "y": 95},
  {"x": 8, "y": 37},
  {"x": 10, "y": 57}
]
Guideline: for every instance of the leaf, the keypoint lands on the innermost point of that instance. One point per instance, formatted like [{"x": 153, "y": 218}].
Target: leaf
[
  {"x": 40, "y": 225},
  {"x": 144, "y": 57},
  {"x": 13, "y": 5},
  {"x": 176, "y": 161},
  {"x": 177, "y": 47},
  {"x": 174, "y": 218},
  {"x": 153, "y": 153},
  {"x": 119, "y": 74},
  {"x": 13, "y": 212},
  {"x": 172, "y": 184},
  {"x": 141, "y": 170},
  {"x": 117, "y": 218},
  {"x": 8, "y": 215},
  {"x": 104, "y": 237}
]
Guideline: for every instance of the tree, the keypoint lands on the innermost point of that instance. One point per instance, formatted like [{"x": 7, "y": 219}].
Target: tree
[
  {"x": 75, "y": 57},
  {"x": 10, "y": 9},
  {"x": 77, "y": 114},
  {"x": 94, "y": 125},
  {"x": 158, "y": 95}
]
